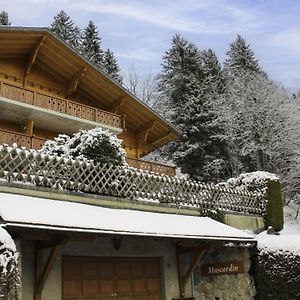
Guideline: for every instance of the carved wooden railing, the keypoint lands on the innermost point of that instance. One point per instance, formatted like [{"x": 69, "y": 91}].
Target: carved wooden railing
[
  {"x": 60, "y": 105},
  {"x": 9, "y": 137},
  {"x": 23, "y": 140},
  {"x": 151, "y": 166},
  {"x": 20, "y": 165}
]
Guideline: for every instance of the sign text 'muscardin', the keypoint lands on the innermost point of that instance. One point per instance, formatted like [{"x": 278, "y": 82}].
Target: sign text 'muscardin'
[{"x": 232, "y": 267}]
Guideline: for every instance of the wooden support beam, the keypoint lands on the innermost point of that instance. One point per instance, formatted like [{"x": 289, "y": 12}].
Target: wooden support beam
[
  {"x": 183, "y": 276},
  {"x": 142, "y": 133},
  {"x": 118, "y": 105},
  {"x": 161, "y": 139},
  {"x": 72, "y": 86},
  {"x": 38, "y": 270},
  {"x": 50, "y": 244},
  {"x": 32, "y": 59},
  {"x": 29, "y": 128},
  {"x": 41, "y": 280},
  {"x": 198, "y": 256},
  {"x": 180, "y": 269}
]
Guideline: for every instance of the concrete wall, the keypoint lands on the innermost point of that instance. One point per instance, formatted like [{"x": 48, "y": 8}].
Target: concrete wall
[
  {"x": 101, "y": 247},
  {"x": 244, "y": 222}
]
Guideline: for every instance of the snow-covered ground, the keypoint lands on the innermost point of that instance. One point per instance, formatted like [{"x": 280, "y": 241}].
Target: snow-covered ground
[{"x": 289, "y": 237}]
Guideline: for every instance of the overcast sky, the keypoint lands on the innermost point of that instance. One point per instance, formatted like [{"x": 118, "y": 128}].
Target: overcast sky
[{"x": 140, "y": 31}]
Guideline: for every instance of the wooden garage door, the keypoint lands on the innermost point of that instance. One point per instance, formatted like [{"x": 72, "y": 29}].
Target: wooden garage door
[{"x": 110, "y": 278}]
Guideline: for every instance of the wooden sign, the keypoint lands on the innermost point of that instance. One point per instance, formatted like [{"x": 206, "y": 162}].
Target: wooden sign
[{"x": 222, "y": 268}]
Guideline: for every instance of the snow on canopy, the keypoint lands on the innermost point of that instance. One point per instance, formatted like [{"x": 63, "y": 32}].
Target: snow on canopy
[
  {"x": 51, "y": 214},
  {"x": 95, "y": 144}
]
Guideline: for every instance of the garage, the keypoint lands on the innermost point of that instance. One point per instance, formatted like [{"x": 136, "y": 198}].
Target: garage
[{"x": 89, "y": 278}]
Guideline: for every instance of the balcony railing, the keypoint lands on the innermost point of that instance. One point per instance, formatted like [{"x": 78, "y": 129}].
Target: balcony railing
[
  {"x": 60, "y": 105},
  {"x": 151, "y": 166},
  {"x": 31, "y": 167},
  {"x": 23, "y": 140}
]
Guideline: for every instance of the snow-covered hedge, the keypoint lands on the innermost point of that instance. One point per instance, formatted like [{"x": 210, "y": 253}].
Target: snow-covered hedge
[
  {"x": 95, "y": 144},
  {"x": 277, "y": 275},
  {"x": 252, "y": 182},
  {"x": 9, "y": 273},
  {"x": 267, "y": 183}
]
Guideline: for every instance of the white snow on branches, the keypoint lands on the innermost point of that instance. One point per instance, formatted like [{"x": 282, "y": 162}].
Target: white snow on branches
[{"x": 8, "y": 252}]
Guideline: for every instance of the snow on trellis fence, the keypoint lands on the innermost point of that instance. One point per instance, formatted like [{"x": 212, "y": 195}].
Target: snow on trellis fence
[{"x": 29, "y": 166}]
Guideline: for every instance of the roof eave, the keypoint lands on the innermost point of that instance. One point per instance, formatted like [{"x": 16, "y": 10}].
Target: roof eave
[{"x": 46, "y": 30}]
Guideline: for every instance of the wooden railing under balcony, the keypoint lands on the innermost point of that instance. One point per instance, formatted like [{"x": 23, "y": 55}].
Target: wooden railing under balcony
[
  {"x": 151, "y": 166},
  {"x": 60, "y": 105},
  {"x": 23, "y": 140}
]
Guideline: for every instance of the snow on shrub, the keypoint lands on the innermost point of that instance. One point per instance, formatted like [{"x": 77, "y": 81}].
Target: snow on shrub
[
  {"x": 277, "y": 275},
  {"x": 9, "y": 273},
  {"x": 95, "y": 144},
  {"x": 252, "y": 182},
  {"x": 268, "y": 184}
]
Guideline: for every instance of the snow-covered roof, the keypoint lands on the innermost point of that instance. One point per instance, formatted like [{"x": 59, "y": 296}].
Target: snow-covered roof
[{"x": 24, "y": 211}]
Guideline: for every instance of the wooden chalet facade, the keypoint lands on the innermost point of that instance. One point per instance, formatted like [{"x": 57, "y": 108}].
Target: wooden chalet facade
[
  {"x": 46, "y": 88},
  {"x": 79, "y": 236}
]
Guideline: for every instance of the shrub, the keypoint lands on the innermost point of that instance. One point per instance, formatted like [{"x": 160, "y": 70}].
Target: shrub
[
  {"x": 270, "y": 185},
  {"x": 277, "y": 275},
  {"x": 96, "y": 144},
  {"x": 9, "y": 273}
]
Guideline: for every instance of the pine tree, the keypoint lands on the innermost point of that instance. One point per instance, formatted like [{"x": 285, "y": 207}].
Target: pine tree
[
  {"x": 202, "y": 152},
  {"x": 4, "y": 20},
  {"x": 241, "y": 69},
  {"x": 91, "y": 44},
  {"x": 241, "y": 58},
  {"x": 190, "y": 83},
  {"x": 181, "y": 62},
  {"x": 65, "y": 29},
  {"x": 111, "y": 66}
]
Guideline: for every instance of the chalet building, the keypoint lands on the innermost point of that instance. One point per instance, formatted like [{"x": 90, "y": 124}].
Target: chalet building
[{"x": 107, "y": 233}]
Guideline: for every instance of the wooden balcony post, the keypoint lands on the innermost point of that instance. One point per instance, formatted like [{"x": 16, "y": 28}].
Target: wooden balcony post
[
  {"x": 124, "y": 122},
  {"x": 29, "y": 128}
]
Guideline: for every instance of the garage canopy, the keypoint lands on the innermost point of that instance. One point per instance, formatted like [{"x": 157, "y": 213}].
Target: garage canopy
[{"x": 39, "y": 213}]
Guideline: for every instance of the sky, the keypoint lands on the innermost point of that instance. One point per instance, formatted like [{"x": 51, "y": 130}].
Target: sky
[{"x": 140, "y": 31}]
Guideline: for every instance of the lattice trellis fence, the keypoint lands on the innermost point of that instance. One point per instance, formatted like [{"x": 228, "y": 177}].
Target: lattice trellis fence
[{"x": 60, "y": 172}]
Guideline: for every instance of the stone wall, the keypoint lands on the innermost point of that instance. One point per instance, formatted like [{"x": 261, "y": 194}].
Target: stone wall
[{"x": 228, "y": 286}]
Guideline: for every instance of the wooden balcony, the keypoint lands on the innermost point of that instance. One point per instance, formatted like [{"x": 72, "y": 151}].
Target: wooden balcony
[
  {"x": 23, "y": 140},
  {"x": 60, "y": 105}
]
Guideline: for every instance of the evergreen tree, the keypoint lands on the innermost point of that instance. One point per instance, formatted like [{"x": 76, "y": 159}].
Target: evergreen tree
[
  {"x": 241, "y": 58},
  {"x": 65, "y": 29},
  {"x": 91, "y": 44},
  {"x": 202, "y": 152},
  {"x": 111, "y": 66},
  {"x": 190, "y": 83},
  {"x": 181, "y": 63},
  {"x": 4, "y": 20}
]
